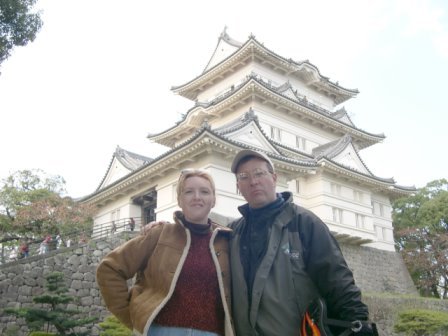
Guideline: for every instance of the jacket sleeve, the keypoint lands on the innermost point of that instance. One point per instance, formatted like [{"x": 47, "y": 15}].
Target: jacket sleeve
[
  {"x": 329, "y": 271},
  {"x": 121, "y": 265}
]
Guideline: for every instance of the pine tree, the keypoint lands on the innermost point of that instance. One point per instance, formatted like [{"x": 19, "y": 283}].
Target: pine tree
[{"x": 53, "y": 314}]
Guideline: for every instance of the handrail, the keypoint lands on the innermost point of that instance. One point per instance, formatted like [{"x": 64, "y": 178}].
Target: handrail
[{"x": 73, "y": 238}]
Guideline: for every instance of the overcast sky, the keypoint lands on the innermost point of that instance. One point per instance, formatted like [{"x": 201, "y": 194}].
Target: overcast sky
[{"x": 100, "y": 72}]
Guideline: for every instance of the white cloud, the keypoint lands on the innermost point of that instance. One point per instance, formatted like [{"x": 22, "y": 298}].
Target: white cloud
[
  {"x": 425, "y": 18},
  {"x": 441, "y": 43},
  {"x": 421, "y": 16}
]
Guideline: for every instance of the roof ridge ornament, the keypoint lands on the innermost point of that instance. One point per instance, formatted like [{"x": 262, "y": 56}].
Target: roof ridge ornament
[
  {"x": 224, "y": 33},
  {"x": 226, "y": 37},
  {"x": 249, "y": 115},
  {"x": 206, "y": 125}
]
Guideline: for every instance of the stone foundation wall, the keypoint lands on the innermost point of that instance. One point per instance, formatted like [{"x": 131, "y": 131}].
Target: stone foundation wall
[
  {"x": 23, "y": 279},
  {"x": 378, "y": 271},
  {"x": 375, "y": 272}
]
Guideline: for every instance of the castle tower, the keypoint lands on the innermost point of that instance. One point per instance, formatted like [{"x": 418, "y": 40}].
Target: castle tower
[{"x": 248, "y": 96}]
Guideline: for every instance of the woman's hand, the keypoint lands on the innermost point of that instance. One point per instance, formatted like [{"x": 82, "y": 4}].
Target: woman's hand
[{"x": 150, "y": 225}]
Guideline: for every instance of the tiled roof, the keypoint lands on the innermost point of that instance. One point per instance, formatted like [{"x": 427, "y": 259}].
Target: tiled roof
[
  {"x": 279, "y": 90},
  {"x": 252, "y": 45},
  {"x": 130, "y": 160},
  {"x": 220, "y": 135},
  {"x": 332, "y": 149}
]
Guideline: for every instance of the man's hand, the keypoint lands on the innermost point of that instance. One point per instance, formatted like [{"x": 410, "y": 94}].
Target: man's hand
[
  {"x": 150, "y": 225},
  {"x": 368, "y": 330}
]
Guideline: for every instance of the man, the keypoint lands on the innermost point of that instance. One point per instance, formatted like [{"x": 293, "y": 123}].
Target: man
[{"x": 282, "y": 258}]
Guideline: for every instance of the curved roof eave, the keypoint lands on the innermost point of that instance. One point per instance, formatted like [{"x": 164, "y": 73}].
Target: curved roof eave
[
  {"x": 279, "y": 147},
  {"x": 154, "y": 162},
  {"x": 300, "y": 162},
  {"x": 253, "y": 46},
  {"x": 234, "y": 147},
  {"x": 387, "y": 185},
  {"x": 322, "y": 113},
  {"x": 105, "y": 174},
  {"x": 349, "y": 128}
]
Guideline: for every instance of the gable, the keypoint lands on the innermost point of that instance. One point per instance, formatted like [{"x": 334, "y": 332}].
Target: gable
[
  {"x": 116, "y": 171},
  {"x": 290, "y": 94},
  {"x": 349, "y": 157},
  {"x": 226, "y": 46},
  {"x": 251, "y": 135}
]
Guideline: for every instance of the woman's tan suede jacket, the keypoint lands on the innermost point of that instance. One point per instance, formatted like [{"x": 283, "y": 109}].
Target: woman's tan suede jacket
[{"x": 157, "y": 259}]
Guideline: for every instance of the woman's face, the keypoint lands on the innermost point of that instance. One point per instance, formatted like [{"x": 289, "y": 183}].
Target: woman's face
[{"x": 196, "y": 199}]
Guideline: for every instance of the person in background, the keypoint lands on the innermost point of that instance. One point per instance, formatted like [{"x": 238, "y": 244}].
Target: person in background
[
  {"x": 82, "y": 238},
  {"x": 58, "y": 241},
  {"x": 45, "y": 245},
  {"x": 113, "y": 227},
  {"x": 24, "y": 249},
  {"x": 283, "y": 257},
  {"x": 132, "y": 224},
  {"x": 182, "y": 270}
]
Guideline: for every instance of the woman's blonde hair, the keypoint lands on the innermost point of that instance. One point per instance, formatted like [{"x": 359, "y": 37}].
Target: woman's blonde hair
[{"x": 191, "y": 172}]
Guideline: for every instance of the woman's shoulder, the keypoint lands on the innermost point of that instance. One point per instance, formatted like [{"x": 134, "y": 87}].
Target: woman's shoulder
[{"x": 223, "y": 230}]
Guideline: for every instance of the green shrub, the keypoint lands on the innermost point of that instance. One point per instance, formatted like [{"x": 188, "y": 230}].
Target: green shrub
[
  {"x": 51, "y": 312},
  {"x": 112, "y": 327},
  {"x": 422, "y": 322},
  {"x": 12, "y": 330}
]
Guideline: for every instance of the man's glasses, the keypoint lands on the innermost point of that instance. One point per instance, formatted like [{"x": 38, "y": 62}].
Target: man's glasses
[{"x": 256, "y": 175}]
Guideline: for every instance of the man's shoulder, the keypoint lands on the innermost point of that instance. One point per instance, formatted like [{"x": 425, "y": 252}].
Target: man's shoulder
[
  {"x": 236, "y": 223},
  {"x": 303, "y": 220},
  {"x": 302, "y": 211}
]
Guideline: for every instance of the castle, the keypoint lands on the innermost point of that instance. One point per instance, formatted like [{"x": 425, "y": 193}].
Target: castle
[{"x": 248, "y": 96}]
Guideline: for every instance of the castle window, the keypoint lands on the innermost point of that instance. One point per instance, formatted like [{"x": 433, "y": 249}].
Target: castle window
[
  {"x": 300, "y": 143},
  {"x": 357, "y": 195},
  {"x": 360, "y": 221},
  {"x": 335, "y": 189},
  {"x": 297, "y": 186},
  {"x": 115, "y": 215},
  {"x": 337, "y": 215},
  {"x": 381, "y": 210},
  {"x": 276, "y": 133}
]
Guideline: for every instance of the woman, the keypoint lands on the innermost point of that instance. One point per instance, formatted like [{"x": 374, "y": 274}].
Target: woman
[{"x": 183, "y": 274}]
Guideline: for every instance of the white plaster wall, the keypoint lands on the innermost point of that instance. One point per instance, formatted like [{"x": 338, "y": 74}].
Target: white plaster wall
[
  {"x": 277, "y": 79},
  {"x": 223, "y": 86},
  {"x": 315, "y": 194},
  {"x": 232, "y": 115},
  {"x": 291, "y": 127},
  {"x": 117, "y": 171},
  {"x": 269, "y": 76},
  {"x": 118, "y": 211}
]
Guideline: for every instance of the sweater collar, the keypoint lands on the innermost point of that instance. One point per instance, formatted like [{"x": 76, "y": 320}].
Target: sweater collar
[
  {"x": 200, "y": 229},
  {"x": 282, "y": 198}
]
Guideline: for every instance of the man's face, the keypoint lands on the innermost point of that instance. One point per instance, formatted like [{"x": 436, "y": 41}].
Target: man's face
[{"x": 256, "y": 183}]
